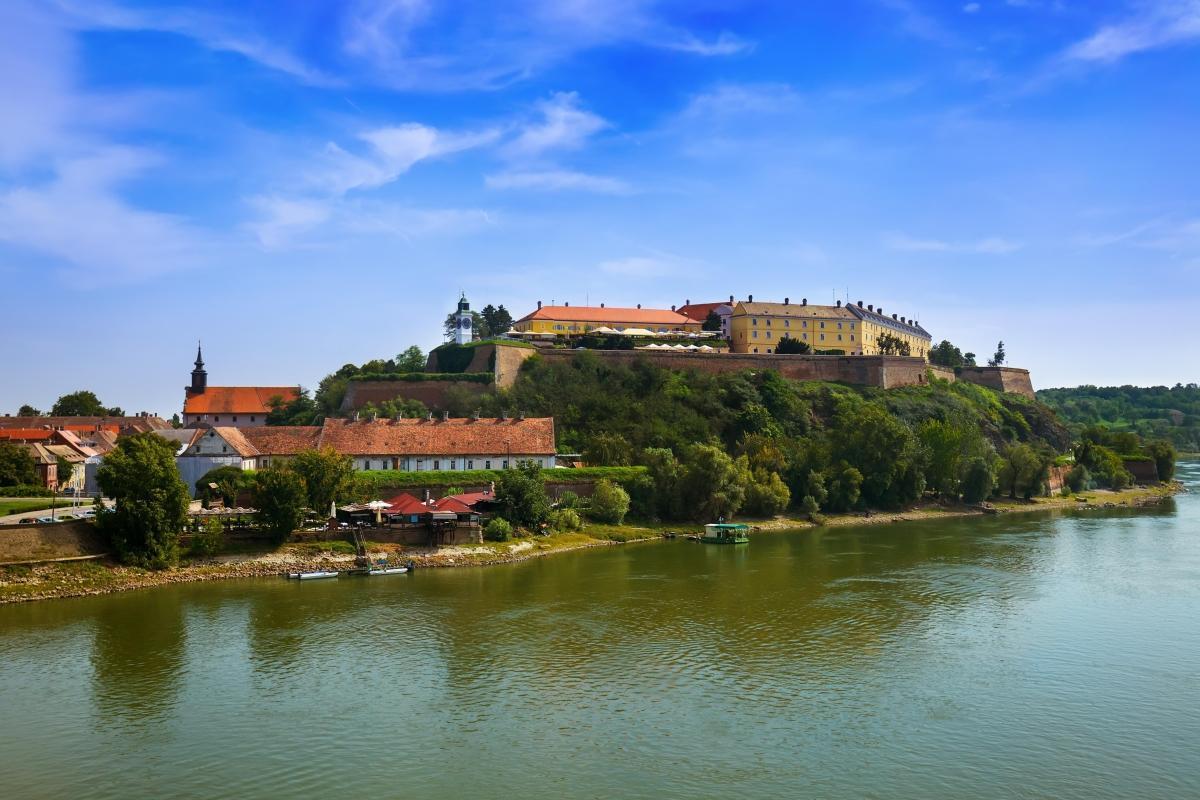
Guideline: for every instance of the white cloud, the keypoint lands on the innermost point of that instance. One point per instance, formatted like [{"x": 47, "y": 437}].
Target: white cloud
[
  {"x": 734, "y": 100},
  {"x": 557, "y": 180},
  {"x": 563, "y": 126},
  {"x": 282, "y": 218},
  {"x": 917, "y": 23},
  {"x": 1161, "y": 23},
  {"x": 726, "y": 44},
  {"x": 971, "y": 8},
  {"x": 992, "y": 245},
  {"x": 79, "y": 218}
]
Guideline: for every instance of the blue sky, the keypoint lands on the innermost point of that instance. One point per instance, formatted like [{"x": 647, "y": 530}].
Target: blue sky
[{"x": 307, "y": 184}]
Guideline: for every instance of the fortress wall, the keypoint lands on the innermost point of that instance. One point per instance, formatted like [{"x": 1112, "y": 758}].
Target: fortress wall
[
  {"x": 1002, "y": 379},
  {"x": 431, "y": 393}
]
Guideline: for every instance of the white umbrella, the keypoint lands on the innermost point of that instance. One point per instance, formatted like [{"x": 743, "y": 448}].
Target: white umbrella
[
  {"x": 638, "y": 332},
  {"x": 603, "y": 329}
]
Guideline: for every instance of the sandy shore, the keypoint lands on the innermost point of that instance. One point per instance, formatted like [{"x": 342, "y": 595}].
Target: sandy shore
[{"x": 75, "y": 579}]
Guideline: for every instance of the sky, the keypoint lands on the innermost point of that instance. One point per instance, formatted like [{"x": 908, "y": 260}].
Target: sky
[{"x": 305, "y": 184}]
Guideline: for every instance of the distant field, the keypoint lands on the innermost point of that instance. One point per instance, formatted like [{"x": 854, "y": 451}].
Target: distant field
[{"x": 21, "y": 506}]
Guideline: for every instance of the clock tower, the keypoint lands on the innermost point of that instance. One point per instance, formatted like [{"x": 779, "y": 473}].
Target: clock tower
[{"x": 464, "y": 331}]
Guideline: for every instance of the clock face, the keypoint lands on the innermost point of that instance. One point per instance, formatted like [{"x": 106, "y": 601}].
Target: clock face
[{"x": 464, "y": 324}]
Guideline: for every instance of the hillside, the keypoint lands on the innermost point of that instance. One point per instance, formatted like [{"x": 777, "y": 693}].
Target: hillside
[{"x": 1155, "y": 412}]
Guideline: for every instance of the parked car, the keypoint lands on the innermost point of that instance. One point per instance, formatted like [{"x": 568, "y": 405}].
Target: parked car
[
  {"x": 45, "y": 519},
  {"x": 27, "y": 521},
  {"x": 87, "y": 514}
]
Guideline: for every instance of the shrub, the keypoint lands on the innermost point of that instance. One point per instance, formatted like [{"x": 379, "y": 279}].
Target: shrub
[
  {"x": 1078, "y": 478},
  {"x": 25, "y": 490},
  {"x": 207, "y": 541},
  {"x": 568, "y": 499},
  {"x": 280, "y": 495},
  {"x": 610, "y": 503},
  {"x": 978, "y": 481},
  {"x": 766, "y": 494},
  {"x": 497, "y": 530},
  {"x": 565, "y": 519}
]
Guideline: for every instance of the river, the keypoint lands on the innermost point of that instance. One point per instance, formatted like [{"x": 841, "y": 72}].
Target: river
[{"x": 1022, "y": 656}]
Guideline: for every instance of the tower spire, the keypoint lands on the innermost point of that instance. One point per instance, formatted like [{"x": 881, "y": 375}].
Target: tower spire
[
  {"x": 199, "y": 376},
  {"x": 199, "y": 357}
]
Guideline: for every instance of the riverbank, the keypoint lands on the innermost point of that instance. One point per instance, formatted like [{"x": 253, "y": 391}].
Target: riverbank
[{"x": 81, "y": 578}]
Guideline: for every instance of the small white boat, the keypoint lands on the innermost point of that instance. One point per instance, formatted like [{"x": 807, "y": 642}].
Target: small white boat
[
  {"x": 310, "y": 576},
  {"x": 388, "y": 571}
]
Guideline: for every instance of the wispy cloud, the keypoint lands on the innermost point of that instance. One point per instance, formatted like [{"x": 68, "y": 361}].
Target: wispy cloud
[
  {"x": 992, "y": 245},
  {"x": 556, "y": 180},
  {"x": 918, "y": 23},
  {"x": 643, "y": 267},
  {"x": 1158, "y": 23},
  {"x": 562, "y": 125}
]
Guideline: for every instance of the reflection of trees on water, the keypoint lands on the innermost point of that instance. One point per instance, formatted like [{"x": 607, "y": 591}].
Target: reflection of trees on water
[{"x": 138, "y": 656}]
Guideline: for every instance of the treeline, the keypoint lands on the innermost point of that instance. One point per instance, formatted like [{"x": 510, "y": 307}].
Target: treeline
[
  {"x": 1153, "y": 412},
  {"x": 757, "y": 443}
]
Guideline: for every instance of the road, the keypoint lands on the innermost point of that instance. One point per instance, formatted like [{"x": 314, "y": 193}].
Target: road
[{"x": 64, "y": 507}]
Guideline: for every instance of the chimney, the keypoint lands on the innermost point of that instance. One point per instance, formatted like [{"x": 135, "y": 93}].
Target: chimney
[
  {"x": 893, "y": 316},
  {"x": 566, "y": 304},
  {"x": 374, "y": 416},
  {"x": 749, "y": 298},
  {"x": 730, "y": 299},
  {"x": 870, "y": 306},
  {"x": 491, "y": 488},
  {"x": 803, "y": 301},
  {"x": 539, "y": 305},
  {"x": 860, "y": 303},
  {"x": 356, "y": 416},
  {"x": 427, "y": 497},
  {"x": 687, "y": 302},
  {"x": 880, "y": 310},
  {"x": 639, "y": 305},
  {"x": 672, "y": 306},
  {"x": 785, "y": 300},
  {"x": 430, "y": 417},
  {"x": 602, "y": 305},
  {"x": 839, "y": 303}
]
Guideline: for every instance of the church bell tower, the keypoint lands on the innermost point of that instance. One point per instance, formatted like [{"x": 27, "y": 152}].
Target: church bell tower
[
  {"x": 199, "y": 376},
  {"x": 464, "y": 331}
]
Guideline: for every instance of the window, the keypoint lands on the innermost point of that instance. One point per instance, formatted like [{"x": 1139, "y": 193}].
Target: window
[
  {"x": 852, "y": 337},
  {"x": 224, "y": 449},
  {"x": 437, "y": 463},
  {"x": 420, "y": 463},
  {"x": 253, "y": 418},
  {"x": 754, "y": 334},
  {"x": 470, "y": 464},
  {"x": 804, "y": 323},
  {"x": 487, "y": 464},
  {"x": 235, "y": 419},
  {"x": 804, "y": 336},
  {"x": 768, "y": 323},
  {"x": 822, "y": 337},
  {"x": 839, "y": 337},
  {"x": 504, "y": 464},
  {"x": 453, "y": 463},
  {"x": 756, "y": 349},
  {"x": 768, "y": 349},
  {"x": 822, "y": 324},
  {"x": 754, "y": 321},
  {"x": 216, "y": 419},
  {"x": 768, "y": 336},
  {"x": 787, "y": 323}
]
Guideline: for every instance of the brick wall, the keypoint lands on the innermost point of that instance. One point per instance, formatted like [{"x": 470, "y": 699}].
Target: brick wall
[
  {"x": 431, "y": 393},
  {"x": 1002, "y": 379},
  {"x": 69, "y": 539}
]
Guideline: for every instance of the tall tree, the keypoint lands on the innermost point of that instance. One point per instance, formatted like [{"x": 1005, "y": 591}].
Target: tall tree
[
  {"x": 712, "y": 322},
  {"x": 326, "y": 476},
  {"x": 946, "y": 354},
  {"x": 411, "y": 360},
  {"x": 280, "y": 496},
  {"x": 83, "y": 404},
  {"x": 496, "y": 321},
  {"x": 997, "y": 360},
  {"x": 521, "y": 495},
  {"x": 28, "y": 411},
  {"x": 713, "y": 485},
  {"x": 302, "y": 410},
  {"x": 151, "y": 500},
  {"x": 789, "y": 346},
  {"x": 890, "y": 345},
  {"x": 17, "y": 467}
]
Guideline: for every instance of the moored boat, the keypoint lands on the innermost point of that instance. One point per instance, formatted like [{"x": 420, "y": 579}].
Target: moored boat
[
  {"x": 309, "y": 576},
  {"x": 388, "y": 571},
  {"x": 726, "y": 533}
]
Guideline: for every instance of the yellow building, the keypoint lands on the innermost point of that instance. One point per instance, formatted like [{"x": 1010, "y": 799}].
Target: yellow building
[
  {"x": 567, "y": 320},
  {"x": 851, "y": 329}
]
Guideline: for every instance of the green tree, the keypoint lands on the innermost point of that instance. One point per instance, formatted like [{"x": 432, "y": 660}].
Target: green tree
[
  {"x": 789, "y": 346},
  {"x": 83, "y": 404},
  {"x": 206, "y": 542},
  {"x": 302, "y": 410},
  {"x": 978, "y": 481},
  {"x": 1164, "y": 455},
  {"x": 280, "y": 496},
  {"x": 607, "y": 450},
  {"x": 496, "y": 321},
  {"x": 890, "y": 345},
  {"x": 660, "y": 495},
  {"x": 228, "y": 480},
  {"x": 28, "y": 411},
  {"x": 883, "y": 449},
  {"x": 969, "y": 360},
  {"x": 17, "y": 467},
  {"x": 949, "y": 447},
  {"x": 997, "y": 360},
  {"x": 497, "y": 530},
  {"x": 713, "y": 485},
  {"x": 946, "y": 354},
  {"x": 609, "y": 503},
  {"x": 521, "y": 495},
  {"x": 411, "y": 360},
  {"x": 766, "y": 494},
  {"x": 845, "y": 487},
  {"x": 325, "y": 473},
  {"x": 65, "y": 471},
  {"x": 712, "y": 322},
  {"x": 1022, "y": 471},
  {"x": 1078, "y": 478},
  {"x": 151, "y": 500}
]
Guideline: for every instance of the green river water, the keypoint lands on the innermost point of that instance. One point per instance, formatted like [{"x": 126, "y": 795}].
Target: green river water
[{"x": 1027, "y": 656}]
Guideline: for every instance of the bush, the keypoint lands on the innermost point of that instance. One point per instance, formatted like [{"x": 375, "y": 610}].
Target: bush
[
  {"x": 766, "y": 494},
  {"x": 497, "y": 530},
  {"x": 568, "y": 499},
  {"x": 25, "y": 490},
  {"x": 279, "y": 495},
  {"x": 565, "y": 519},
  {"x": 978, "y": 482},
  {"x": 207, "y": 541},
  {"x": 1078, "y": 478},
  {"x": 610, "y": 503}
]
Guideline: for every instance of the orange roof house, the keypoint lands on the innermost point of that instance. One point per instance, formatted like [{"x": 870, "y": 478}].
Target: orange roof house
[{"x": 236, "y": 406}]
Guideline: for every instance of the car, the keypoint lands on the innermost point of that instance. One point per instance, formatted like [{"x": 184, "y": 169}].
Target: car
[
  {"x": 67, "y": 516},
  {"x": 87, "y": 514},
  {"x": 26, "y": 521},
  {"x": 45, "y": 519}
]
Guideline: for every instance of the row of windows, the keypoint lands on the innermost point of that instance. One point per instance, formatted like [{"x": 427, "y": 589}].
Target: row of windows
[
  {"x": 787, "y": 323},
  {"x": 453, "y": 463},
  {"x": 803, "y": 336},
  {"x": 217, "y": 418}
]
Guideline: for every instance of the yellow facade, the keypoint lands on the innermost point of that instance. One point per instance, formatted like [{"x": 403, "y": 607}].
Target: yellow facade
[
  {"x": 849, "y": 330},
  {"x": 758, "y": 327}
]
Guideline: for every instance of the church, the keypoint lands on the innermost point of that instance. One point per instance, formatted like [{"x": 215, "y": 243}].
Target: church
[{"x": 229, "y": 406}]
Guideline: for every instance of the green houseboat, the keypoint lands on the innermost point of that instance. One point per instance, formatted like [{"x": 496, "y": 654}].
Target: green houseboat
[{"x": 726, "y": 533}]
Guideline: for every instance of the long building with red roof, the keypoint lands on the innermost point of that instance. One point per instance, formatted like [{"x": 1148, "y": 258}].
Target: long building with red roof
[
  {"x": 230, "y": 406},
  {"x": 567, "y": 320}
]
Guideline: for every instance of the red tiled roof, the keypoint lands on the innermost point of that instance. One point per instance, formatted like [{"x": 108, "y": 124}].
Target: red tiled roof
[
  {"x": 519, "y": 437},
  {"x": 114, "y": 424},
  {"x": 283, "y": 440},
  {"x": 405, "y": 503},
  {"x": 452, "y": 504},
  {"x": 30, "y": 434},
  {"x": 623, "y": 316},
  {"x": 473, "y": 498},
  {"x": 698, "y": 312},
  {"x": 237, "y": 399}
]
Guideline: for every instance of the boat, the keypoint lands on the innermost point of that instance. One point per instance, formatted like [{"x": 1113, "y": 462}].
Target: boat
[
  {"x": 388, "y": 571},
  {"x": 726, "y": 533},
  {"x": 310, "y": 576}
]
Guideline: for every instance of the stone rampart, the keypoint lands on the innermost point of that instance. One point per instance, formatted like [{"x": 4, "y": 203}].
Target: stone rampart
[
  {"x": 50, "y": 541},
  {"x": 431, "y": 393},
  {"x": 1002, "y": 379}
]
